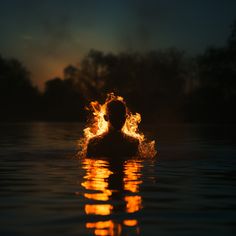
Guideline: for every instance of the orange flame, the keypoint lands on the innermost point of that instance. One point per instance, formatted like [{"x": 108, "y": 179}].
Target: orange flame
[{"x": 98, "y": 125}]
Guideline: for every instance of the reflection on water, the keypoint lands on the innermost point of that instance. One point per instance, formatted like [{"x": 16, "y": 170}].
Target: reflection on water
[
  {"x": 112, "y": 187},
  {"x": 188, "y": 190}
]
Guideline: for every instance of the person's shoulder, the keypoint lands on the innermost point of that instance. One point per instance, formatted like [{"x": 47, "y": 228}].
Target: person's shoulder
[
  {"x": 94, "y": 145},
  {"x": 96, "y": 140},
  {"x": 131, "y": 140},
  {"x": 132, "y": 145}
]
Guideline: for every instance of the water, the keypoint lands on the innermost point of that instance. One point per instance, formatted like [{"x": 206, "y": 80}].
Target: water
[{"x": 189, "y": 189}]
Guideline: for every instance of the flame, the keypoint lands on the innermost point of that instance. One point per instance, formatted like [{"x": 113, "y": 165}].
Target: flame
[{"x": 98, "y": 125}]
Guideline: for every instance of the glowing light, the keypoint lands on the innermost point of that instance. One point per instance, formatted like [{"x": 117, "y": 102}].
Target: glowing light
[
  {"x": 97, "y": 173},
  {"x": 133, "y": 203},
  {"x": 99, "y": 224},
  {"x": 108, "y": 227},
  {"x": 96, "y": 182},
  {"x": 98, "y": 125},
  {"x": 132, "y": 169},
  {"x": 130, "y": 222},
  {"x": 98, "y": 209}
]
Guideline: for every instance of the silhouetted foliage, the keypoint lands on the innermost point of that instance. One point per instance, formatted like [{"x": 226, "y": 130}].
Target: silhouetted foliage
[
  {"x": 151, "y": 81},
  {"x": 18, "y": 98},
  {"x": 164, "y": 85},
  {"x": 215, "y": 96},
  {"x": 62, "y": 100}
]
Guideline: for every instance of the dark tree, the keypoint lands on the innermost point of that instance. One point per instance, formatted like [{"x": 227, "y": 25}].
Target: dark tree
[
  {"x": 63, "y": 101},
  {"x": 18, "y": 97}
]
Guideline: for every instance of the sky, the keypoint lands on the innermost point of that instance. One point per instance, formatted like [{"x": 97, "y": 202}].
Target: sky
[{"x": 48, "y": 35}]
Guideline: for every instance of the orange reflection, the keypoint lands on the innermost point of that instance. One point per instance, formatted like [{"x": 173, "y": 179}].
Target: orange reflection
[
  {"x": 105, "y": 227},
  {"x": 133, "y": 203},
  {"x": 132, "y": 171},
  {"x": 130, "y": 222},
  {"x": 99, "y": 209},
  {"x": 106, "y": 181},
  {"x": 96, "y": 178}
]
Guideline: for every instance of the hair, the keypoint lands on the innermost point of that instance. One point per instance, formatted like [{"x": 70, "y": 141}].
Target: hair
[{"x": 116, "y": 112}]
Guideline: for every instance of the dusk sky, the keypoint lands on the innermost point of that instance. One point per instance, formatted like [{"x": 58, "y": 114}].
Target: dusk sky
[{"x": 47, "y": 35}]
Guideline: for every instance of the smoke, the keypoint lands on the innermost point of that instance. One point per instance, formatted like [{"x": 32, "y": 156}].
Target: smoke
[{"x": 142, "y": 25}]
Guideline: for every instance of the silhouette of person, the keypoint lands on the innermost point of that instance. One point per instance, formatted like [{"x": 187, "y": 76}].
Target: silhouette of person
[{"x": 114, "y": 142}]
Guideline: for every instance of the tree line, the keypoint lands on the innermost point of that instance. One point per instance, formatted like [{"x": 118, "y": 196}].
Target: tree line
[{"x": 163, "y": 85}]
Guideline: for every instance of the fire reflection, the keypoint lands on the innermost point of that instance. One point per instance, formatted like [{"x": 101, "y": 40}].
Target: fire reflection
[{"x": 112, "y": 187}]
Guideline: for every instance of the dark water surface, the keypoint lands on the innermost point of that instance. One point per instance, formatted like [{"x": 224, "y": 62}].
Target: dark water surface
[{"x": 189, "y": 189}]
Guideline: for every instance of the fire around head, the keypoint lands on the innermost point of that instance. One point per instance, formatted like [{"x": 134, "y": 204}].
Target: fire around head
[{"x": 113, "y": 131}]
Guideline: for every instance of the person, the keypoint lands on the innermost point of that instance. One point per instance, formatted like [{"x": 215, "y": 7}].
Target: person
[{"x": 114, "y": 142}]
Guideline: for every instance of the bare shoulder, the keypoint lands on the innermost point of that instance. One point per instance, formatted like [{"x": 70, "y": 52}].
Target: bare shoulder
[
  {"x": 95, "y": 141},
  {"x": 112, "y": 144},
  {"x": 132, "y": 140},
  {"x": 93, "y": 145}
]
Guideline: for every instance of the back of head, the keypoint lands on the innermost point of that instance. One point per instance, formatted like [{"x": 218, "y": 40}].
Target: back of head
[{"x": 116, "y": 113}]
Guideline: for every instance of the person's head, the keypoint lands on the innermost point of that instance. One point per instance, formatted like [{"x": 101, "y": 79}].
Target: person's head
[{"x": 116, "y": 114}]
